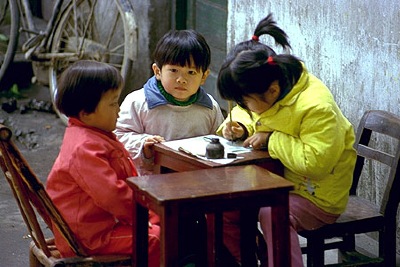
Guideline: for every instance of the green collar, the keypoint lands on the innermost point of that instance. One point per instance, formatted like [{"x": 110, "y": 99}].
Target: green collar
[{"x": 172, "y": 100}]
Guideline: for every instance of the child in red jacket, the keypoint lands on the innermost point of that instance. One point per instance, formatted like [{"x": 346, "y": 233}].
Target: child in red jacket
[{"x": 87, "y": 181}]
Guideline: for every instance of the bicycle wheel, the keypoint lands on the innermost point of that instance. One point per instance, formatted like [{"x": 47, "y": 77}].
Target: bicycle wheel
[
  {"x": 97, "y": 30},
  {"x": 9, "y": 24}
]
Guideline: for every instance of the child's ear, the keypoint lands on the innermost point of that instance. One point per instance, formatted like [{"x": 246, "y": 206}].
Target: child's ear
[
  {"x": 84, "y": 116},
  {"x": 274, "y": 89},
  {"x": 157, "y": 71},
  {"x": 204, "y": 78}
]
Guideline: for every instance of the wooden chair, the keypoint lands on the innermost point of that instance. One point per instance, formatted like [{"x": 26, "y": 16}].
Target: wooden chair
[
  {"x": 361, "y": 215},
  {"x": 33, "y": 201}
]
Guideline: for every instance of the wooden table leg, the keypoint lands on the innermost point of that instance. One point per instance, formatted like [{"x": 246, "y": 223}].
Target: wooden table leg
[
  {"x": 219, "y": 238},
  {"x": 211, "y": 239},
  {"x": 280, "y": 231},
  {"x": 140, "y": 236},
  {"x": 248, "y": 229},
  {"x": 169, "y": 241}
]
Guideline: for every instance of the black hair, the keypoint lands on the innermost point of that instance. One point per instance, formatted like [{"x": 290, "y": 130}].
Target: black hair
[
  {"x": 266, "y": 26},
  {"x": 82, "y": 85},
  {"x": 247, "y": 69},
  {"x": 181, "y": 47}
]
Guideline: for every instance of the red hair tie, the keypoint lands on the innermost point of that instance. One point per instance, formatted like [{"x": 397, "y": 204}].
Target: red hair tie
[
  {"x": 255, "y": 38},
  {"x": 271, "y": 61}
]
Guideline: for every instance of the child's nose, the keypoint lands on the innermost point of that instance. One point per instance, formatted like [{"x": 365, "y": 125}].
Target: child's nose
[{"x": 181, "y": 79}]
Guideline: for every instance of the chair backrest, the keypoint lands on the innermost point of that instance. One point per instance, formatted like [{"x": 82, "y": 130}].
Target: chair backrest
[
  {"x": 385, "y": 124},
  {"x": 31, "y": 196}
]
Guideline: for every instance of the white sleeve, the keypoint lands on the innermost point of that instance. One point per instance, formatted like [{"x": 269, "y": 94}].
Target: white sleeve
[{"x": 129, "y": 128}]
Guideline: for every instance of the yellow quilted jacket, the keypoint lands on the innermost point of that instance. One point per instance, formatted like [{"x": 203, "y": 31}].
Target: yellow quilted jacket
[{"x": 313, "y": 140}]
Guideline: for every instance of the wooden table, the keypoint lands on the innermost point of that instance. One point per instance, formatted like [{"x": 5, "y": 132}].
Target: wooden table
[
  {"x": 210, "y": 190},
  {"x": 168, "y": 158}
]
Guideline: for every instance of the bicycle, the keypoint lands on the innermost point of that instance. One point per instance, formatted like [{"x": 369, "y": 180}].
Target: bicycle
[{"x": 101, "y": 30}]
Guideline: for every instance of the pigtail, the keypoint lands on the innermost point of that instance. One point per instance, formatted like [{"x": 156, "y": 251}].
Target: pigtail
[
  {"x": 268, "y": 26},
  {"x": 290, "y": 68},
  {"x": 251, "y": 66}
]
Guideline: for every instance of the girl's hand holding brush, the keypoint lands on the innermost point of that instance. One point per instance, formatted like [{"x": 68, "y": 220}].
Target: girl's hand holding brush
[{"x": 233, "y": 131}]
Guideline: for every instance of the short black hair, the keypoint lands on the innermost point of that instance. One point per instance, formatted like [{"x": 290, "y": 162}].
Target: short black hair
[
  {"x": 181, "y": 47},
  {"x": 82, "y": 85}
]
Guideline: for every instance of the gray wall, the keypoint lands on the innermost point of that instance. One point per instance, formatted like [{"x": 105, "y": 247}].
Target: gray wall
[
  {"x": 352, "y": 45},
  {"x": 209, "y": 17},
  {"x": 153, "y": 19}
]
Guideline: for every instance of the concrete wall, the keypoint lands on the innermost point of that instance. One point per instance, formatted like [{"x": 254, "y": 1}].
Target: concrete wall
[
  {"x": 352, "y": 45},
  {"x": 153, "y": 18}
]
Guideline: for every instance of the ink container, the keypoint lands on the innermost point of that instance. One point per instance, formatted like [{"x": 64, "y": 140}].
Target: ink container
[{"x": 215, "y": 150}]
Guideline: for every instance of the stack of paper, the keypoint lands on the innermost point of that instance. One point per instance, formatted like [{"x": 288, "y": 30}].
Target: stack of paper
[{"x": 197, "y": 146}]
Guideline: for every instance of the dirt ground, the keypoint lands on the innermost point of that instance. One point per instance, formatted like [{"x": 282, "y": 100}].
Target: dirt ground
[{"x": 38, "y": 134}]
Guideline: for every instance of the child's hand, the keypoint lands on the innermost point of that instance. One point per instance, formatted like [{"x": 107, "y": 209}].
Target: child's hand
[
  {"x": 233, "y": 131},
  {"x": 258, "y": 141},
  {"x": 148, "y": 145}
]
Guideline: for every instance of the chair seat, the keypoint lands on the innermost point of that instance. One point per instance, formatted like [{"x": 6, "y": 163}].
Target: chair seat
[
  {"x": 359, "y": 209},
  {"x": 360, "y": 216},
  {"x": 57, "y": 260}
]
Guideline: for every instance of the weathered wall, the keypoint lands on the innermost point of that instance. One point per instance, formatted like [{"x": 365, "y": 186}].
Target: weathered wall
[
  {"x": 151, "y": 27},
  {"x": 352, "y": 45},
  {"x": 209, "y": 17}
]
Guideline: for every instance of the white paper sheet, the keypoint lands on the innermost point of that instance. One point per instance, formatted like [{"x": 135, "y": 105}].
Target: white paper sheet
[{"x": 197, "y": 146}]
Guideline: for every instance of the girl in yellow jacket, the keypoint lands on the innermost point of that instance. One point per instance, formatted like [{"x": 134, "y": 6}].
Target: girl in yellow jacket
[{"x": 287, "y": 110}]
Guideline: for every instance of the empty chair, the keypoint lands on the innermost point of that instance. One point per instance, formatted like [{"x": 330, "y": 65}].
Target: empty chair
[
  {"x": 33, "y": 201},
  {"x": 362, "y": 215}
]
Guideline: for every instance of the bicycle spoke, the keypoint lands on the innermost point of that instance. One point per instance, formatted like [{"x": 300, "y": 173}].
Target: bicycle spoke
[
  {"x": 116, "y": 48},
  {"x": 112, "y": 31},
  {"x": 96, "y": 30},
  {"x": 86, "y": 27},
  {"x": 4, "y": 8}
]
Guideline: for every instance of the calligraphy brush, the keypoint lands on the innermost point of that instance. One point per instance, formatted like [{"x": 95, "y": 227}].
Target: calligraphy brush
[{"x": 230, "y": 106}]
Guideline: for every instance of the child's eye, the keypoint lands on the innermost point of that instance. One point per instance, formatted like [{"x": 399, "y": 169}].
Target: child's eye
[
  {"x": 173, "y": 70},
  {"x": 192, "y": 72}
]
